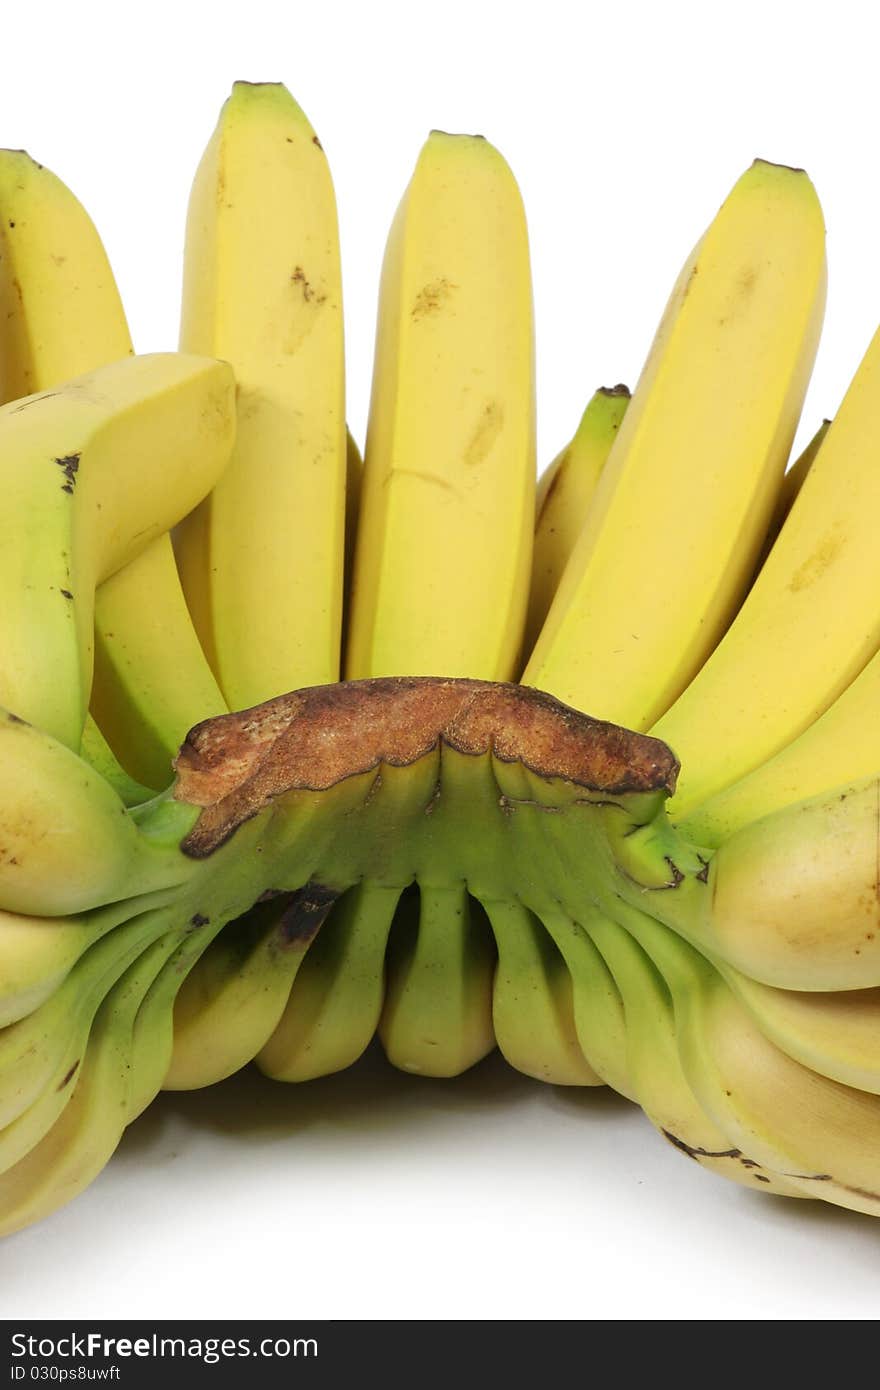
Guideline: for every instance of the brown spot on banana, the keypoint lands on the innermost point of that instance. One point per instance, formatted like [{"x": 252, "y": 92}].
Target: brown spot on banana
[
  {"x": 431, "y": 298},
  {"x": 696, "y": 1153},
  {"x": 68, "y": 1076},
  {"x": 487, "y": 430}
]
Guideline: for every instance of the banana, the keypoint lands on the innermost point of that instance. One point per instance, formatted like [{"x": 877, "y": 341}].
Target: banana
[
  {"x": 228, "y": 899},
  {"x": 59, "y": 305},
  {"x": 451, "y": 865},
  {"x": 462, "y": 789},
  {"x": 533, "y": 1002},
  {"x": 336, "y": 1000},
  {"x": 822, "y": 1136},
  {"x": 598, "y": 1008},
  {"x": 437, "y": 1015},
  {"x": 96, "y": 751},
  {"x": 83, "y": 496},
  {"x": 68, "y": 843},
  {"x": 819, "y": 1135},
  {"x": 444, "y": 541},
  {"x": 73, "y": 1150},
  {"x": 230, "y": 1003},
  {"x": 437, "y": 1004},
  {"x": 841, "y": 746},
  {"x": 799, "y": 639},
  {"x": 262, "y": 289},
  {"x": 64, "y": 317},
  {"x": 152, "y": 682},
  {"x": 697, "y": 461},
  {"x": 41, "y": 1054},
  {"x": 792, "y": 898},
  {"x": 152, "y": 1041},
  {"x": 74, "y": 1071},
  {"x": 354, "y": 472},
  {"x": 262, "y": 559},
  {"x": 791, "y": 485},
  {"x": 565, "y": 491},
  {"x": 38, "y": 953},
  {"x": 655, "y": 1067},
  {"x": 789, "y": 900},
  {"x": 834, "y": 1033}
]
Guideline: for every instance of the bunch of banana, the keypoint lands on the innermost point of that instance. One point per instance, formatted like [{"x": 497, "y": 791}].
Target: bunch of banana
[{"x": 297, "y": 752}]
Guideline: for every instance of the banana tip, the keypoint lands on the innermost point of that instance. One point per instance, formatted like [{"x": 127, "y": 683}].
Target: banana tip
[{"x": 777, "y": 164}]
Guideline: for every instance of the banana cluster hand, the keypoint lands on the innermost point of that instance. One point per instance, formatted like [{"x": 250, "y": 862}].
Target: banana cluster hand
[{"x": 214, "y": 850}]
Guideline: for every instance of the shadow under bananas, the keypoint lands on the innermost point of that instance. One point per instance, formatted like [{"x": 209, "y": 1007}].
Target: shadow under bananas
[
  {"x": 369, "y": 1095},
  {"x": 753, "y": 1202},
  {"x": 819, "y": 1216},
  {"x": 373, "y": 1097}
]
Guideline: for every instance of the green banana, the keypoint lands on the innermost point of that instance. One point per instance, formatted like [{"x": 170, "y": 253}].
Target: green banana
[
  {"x": 533, "y": 1014},
  {"x": 336, "y": 999},
  {"x": 437, "y": 1016}
]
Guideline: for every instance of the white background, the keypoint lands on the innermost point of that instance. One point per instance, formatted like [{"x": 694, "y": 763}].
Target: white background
[{"x": 371, "y": 1194}]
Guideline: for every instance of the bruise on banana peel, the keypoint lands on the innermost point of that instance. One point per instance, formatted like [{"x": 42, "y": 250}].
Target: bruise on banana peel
[{"x": 305, "y": 913}]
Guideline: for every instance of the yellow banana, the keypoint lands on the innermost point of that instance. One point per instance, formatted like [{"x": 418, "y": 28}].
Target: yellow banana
[
  {"x": 833, "y": 1033},
  {"x": 598, "y": 1008},
  {"x": 236, "y": 999},
  {"x": 91, "y": 1106},
  {"x": 447, "y": 511},
  {"x": 792, "y": 898},
  {"x": 819, "y": 1135},
  {"x": 841, "y": 746},
  {"x": 97, "y": 752},
  {"x": 533, "y": 1001},
  {"x": 456, "y": 295},
  {"x": 565, "y": 491},
  {"x": 697, "y": 461},
  {"x": 152, "y": 1037},
  {"x": 64, "y": 317},
  {"x": 152, "y": 682},
  {"x": 41, "y": 1054},
  {"x": 799, "y": 639},
  {"x": 354, "y": 472},
  {"x": 262, "y": 559},
  {"x": 654, "y": 1064},
  {"x": 38, "y": 953},
  {"x": 230, "y": 1003},
  {"x": 822, "y": 1135},
  {"x": 68, "y": 844},
  {"x": 791, "y": 485},
  {"x": 336, "y": 1000},
  {"x": 437, "y": 1016},
  {"x": 82, "y": 497},
  {"x": 59, "y": 305}
]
